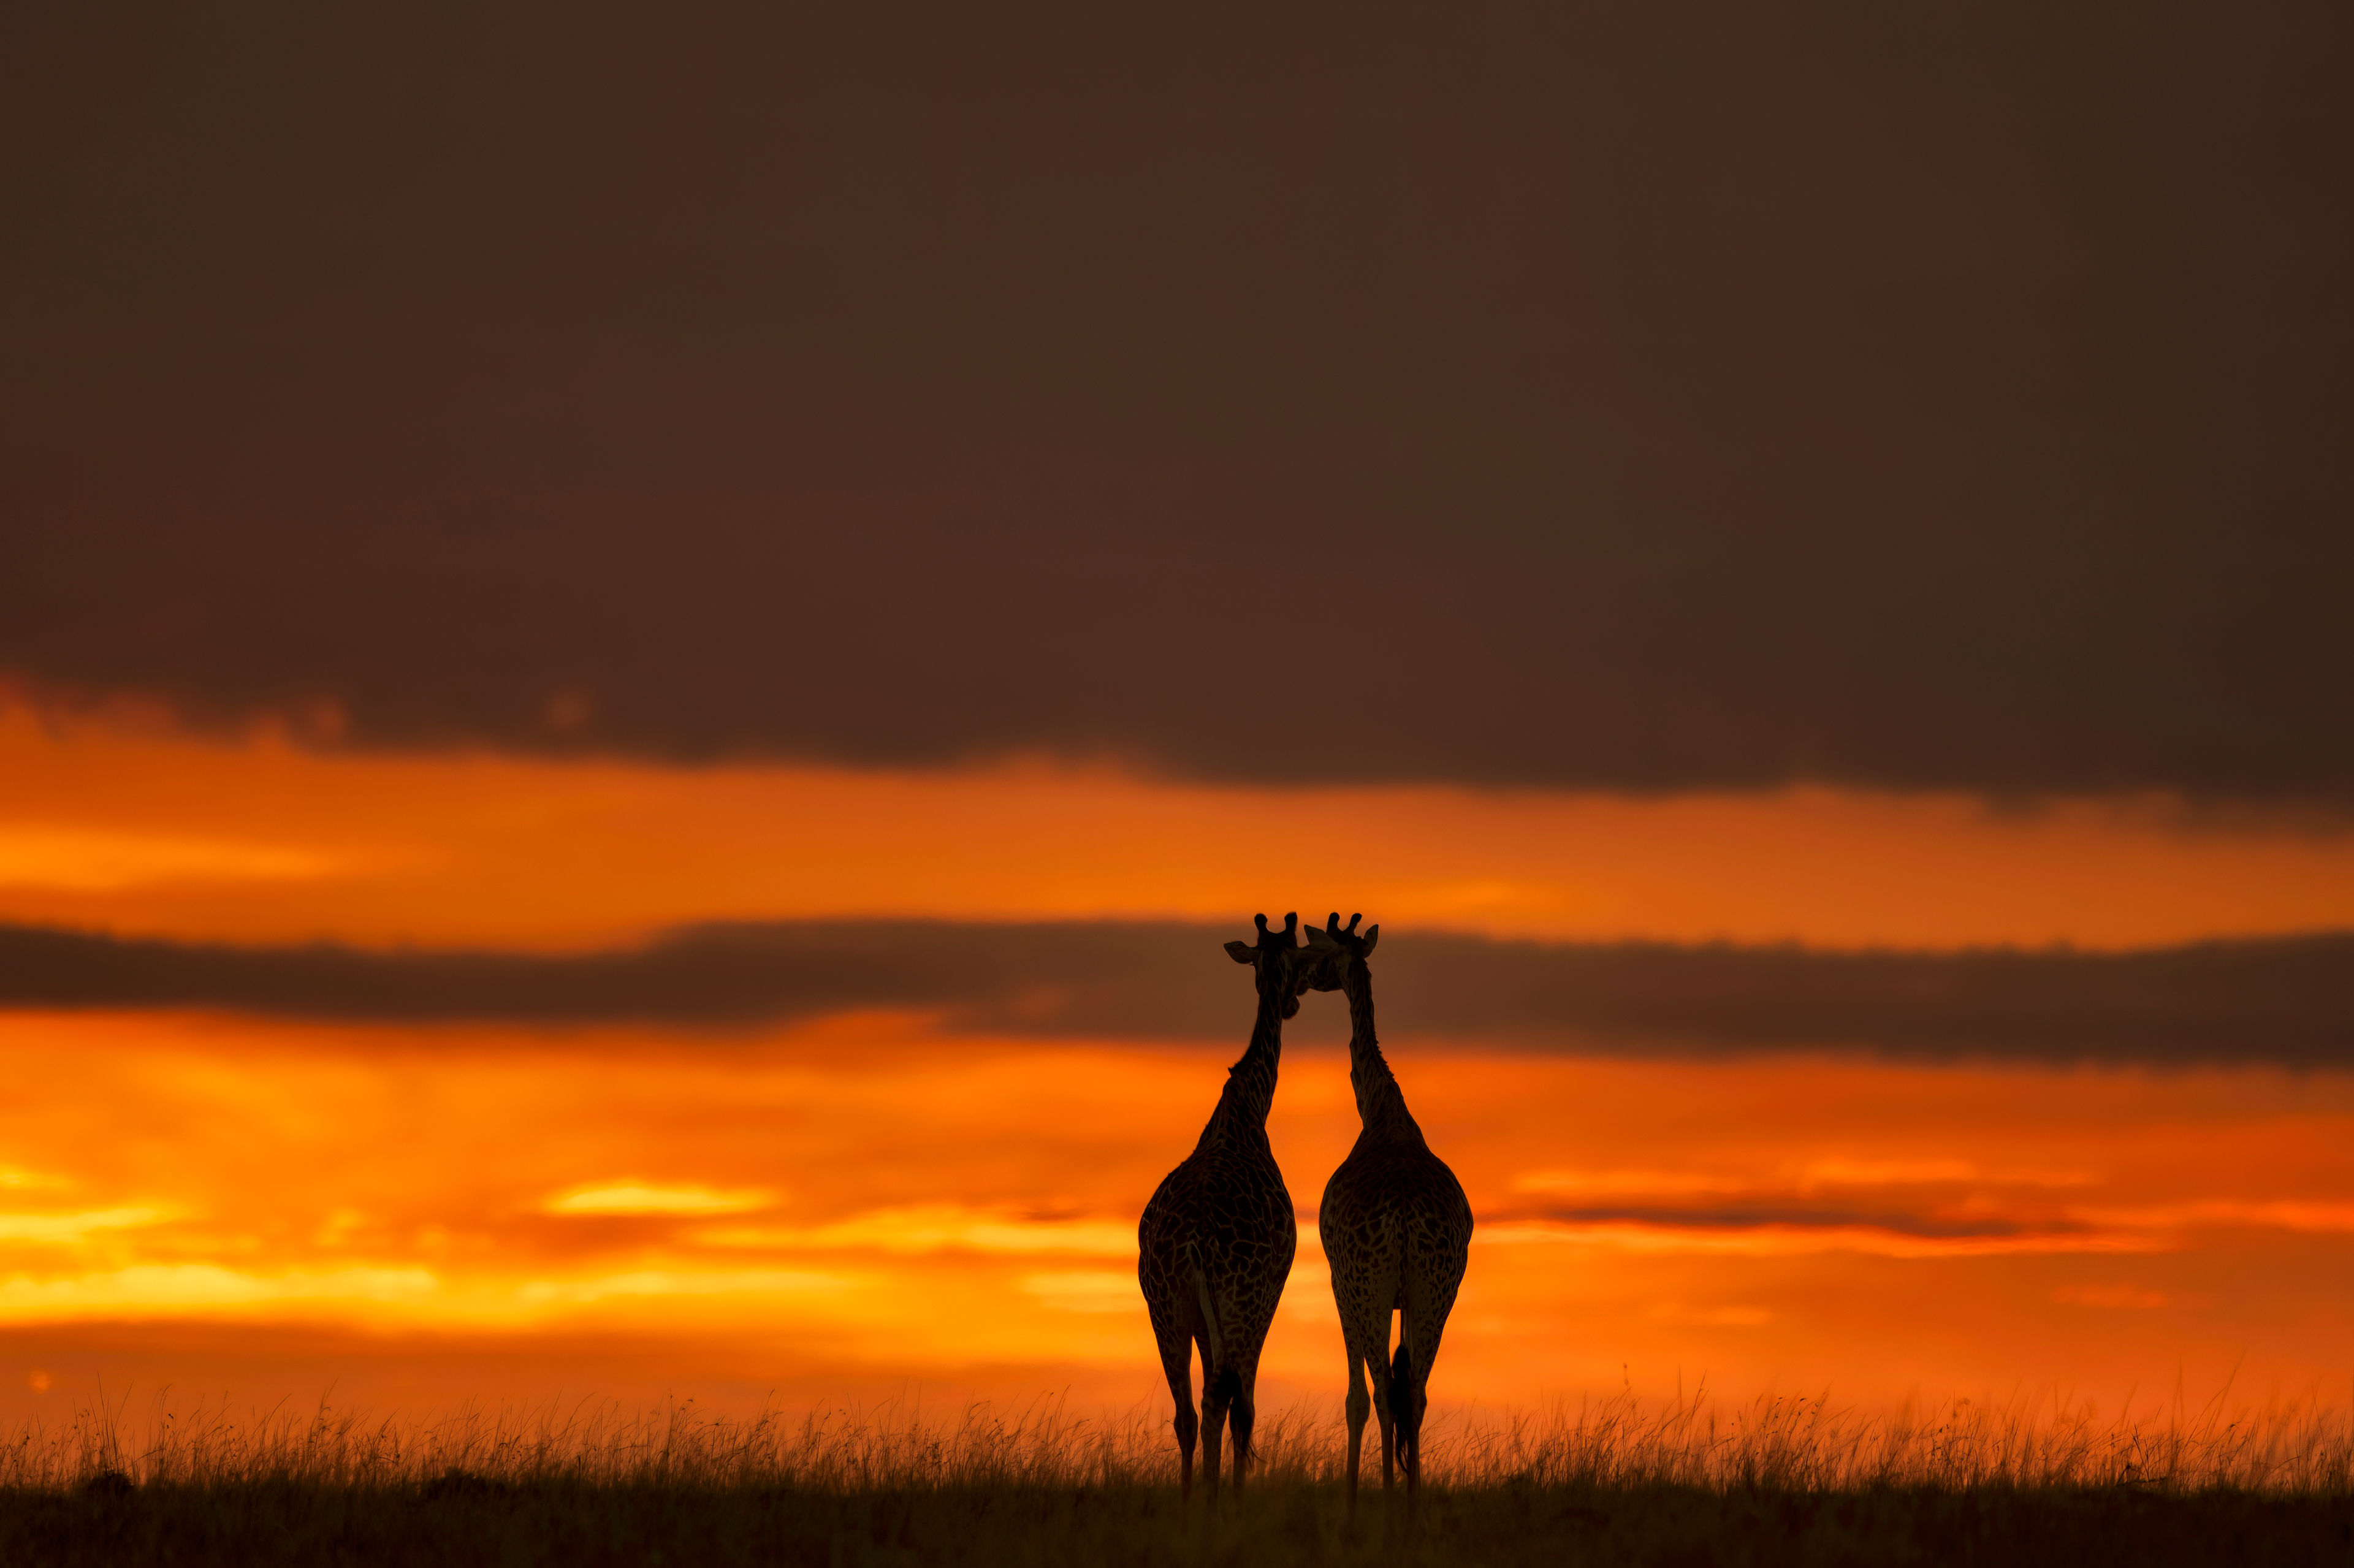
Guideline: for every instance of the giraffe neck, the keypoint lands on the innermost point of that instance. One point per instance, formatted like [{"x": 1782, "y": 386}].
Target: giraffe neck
[
  {"x": 1381, "y": 1104},
  {"x": 1250, "y": 1083}
]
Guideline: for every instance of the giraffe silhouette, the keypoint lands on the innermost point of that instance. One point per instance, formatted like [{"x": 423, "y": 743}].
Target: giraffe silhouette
[
  {"x": 1396, "y": 1231},
  {"x": 1215, "y": 1243}
]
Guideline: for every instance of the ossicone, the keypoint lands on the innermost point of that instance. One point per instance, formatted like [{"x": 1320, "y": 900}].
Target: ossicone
[{"x": 1334, "y": 935}]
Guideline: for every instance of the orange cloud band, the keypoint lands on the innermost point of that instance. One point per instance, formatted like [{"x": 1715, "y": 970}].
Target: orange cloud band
[{"x": 107, "y": 825}]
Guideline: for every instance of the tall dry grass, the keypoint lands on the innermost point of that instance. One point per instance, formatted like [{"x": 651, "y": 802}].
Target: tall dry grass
[
  {"x": 1609, "y": 1482},
  {"x": 2300, "y": 1445}
]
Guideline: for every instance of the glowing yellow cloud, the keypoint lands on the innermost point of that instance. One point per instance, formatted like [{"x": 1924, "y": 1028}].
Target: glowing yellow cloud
[
  {"x": 70, "y": 1228},
  {"x": 644, "y": 1198},
  {"x": 936, "y": 1227},
  {"x": 655, "y": 1282},
  {"x": 150, "y": 1289}
]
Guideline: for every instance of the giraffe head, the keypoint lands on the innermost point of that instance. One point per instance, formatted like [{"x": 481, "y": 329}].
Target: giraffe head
[
  {"x": 1284, "y": 969},
  {"x": 1337, "y": 946}
]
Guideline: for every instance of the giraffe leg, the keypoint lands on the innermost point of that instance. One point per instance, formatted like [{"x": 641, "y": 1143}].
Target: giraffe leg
[
  {"x": 1240, "y": 1419},
  {"x": 1431, "y": 1283},
  {"x": 1177, "y": 1365},
  {"x": 1363, "y": 1331},
  {"x": 1364, "y": 1286},
  {"x": 1218, "y": 1396},
  {"x": 1358, "y": 1407},
  {"x": 1377, "y": 1361}
]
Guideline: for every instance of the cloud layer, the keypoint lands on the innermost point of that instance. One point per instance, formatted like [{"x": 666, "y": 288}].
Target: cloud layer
[
  {"x": 2281, "y": 1001},
  {"x": 1619, "y": 397}
]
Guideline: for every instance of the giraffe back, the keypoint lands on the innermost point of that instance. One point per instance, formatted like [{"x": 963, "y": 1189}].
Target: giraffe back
[
  {"x": 1216, "y": 1244},
  {"x": 1393, "y": 1215}
]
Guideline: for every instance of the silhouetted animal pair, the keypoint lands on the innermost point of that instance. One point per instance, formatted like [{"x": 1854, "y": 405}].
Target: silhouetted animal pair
[{"x": 1216, "y": 1244}]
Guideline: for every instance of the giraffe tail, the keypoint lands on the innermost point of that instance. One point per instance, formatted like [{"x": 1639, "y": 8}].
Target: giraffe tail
[
  {"x": 1215, "y": 1340},
  {"x": 1401, "y": 1375}
]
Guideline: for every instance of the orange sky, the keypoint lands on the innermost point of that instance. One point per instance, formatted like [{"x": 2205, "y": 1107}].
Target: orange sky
[
  {"x": 128, "y": 830},
  {"x": 866, "y": 1203},
  {"x": 868, "y": 1197}
]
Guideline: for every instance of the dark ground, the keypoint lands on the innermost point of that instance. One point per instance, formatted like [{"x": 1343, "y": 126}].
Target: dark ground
[{"x": 459, "y": 1518}]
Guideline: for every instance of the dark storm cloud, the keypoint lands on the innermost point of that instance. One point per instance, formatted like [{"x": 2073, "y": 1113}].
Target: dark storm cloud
[
  {"x": 1629, "y": 396},
  {"x": 1798, "y": 1216},
  {"x": 2289, "y": 1002}
]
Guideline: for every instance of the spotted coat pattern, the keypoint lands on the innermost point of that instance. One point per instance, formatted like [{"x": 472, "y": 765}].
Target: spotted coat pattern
[
  {"x": 1396, "y": 1229},
  {"x": 1214, "y": 1245}
]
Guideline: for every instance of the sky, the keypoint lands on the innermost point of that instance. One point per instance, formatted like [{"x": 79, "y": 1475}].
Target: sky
[{"x": 642, "y": 659}]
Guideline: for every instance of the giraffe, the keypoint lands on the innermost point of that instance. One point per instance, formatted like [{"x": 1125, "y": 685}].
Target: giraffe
[
  {"x": 1396, "y": 1231},
  {"x": 1214, "y": 1245}
]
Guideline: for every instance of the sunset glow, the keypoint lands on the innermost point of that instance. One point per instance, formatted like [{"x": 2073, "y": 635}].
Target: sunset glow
[
  {"x": 868, "y": 1202},
  {"x": 154, "y": 833}
]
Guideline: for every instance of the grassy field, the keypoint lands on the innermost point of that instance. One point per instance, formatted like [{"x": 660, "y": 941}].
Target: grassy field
[{"x": 1788, "y": 1481}]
